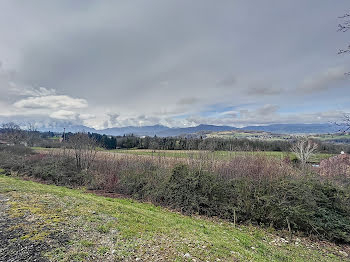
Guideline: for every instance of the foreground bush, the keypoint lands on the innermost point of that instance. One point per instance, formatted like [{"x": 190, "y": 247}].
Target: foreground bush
[
  {"x": 59, "y": 170},
  {"x": 292, "y": 202}
]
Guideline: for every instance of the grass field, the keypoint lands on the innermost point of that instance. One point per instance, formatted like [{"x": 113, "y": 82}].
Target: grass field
[
  {"x": 330, "y": 137},
  {"x": 196, "y": 154},
  {"x": 219, "y": 155},
  {"x": 249, "y": 135},
  {"x": 85, "y": 227}
]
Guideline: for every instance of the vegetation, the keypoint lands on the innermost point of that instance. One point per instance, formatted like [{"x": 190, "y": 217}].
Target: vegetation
[
  {"x": 219, "y": 144},
  {"x": 81, "y": 226},
  {"x": 277, "y": 190},
  {"x": 304, "y": 149},
  {"x": 244, "y": 189},
  {"x": 219, "y": 155},
  {"x": 13, "y": 134}
]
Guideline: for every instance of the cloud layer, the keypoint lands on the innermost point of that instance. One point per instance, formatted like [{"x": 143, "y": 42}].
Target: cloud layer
[
  {"x": 51, "y": 102},
  {"x": 177, "y": 63}
]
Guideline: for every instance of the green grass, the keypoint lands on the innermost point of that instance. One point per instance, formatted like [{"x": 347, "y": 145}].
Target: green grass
[
  {"x": 219, "y": 155},
  {"x": 330, "y": 137},
  {"x": 105, "y": 229},
  {"x": 196, "y": 154},
  {"x": 266, "y": 136},
  {"x": 42, "y": 148}
]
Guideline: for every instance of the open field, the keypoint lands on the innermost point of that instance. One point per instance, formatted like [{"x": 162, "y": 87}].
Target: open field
[
  {"x": 259, "y": 135},
  {"x": 217, "y": 155},
  {"x": 196, "y": 154},
  {"x": 76, "y": 226},
  {"x": 331, "y": 137}
]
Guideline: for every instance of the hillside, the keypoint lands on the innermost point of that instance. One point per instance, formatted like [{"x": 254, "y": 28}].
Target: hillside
[
  {"x": 296, "y": 128},
  {"x": 62, "y": 224},
  {"x": 164, "y": 131}
]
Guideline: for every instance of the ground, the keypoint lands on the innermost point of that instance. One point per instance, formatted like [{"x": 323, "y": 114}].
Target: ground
[
  {"x": 19, "y": 250},
  {"x": 218, "y": 155},
  {"x": 198, "y": 154},
  {"x": 49, "y": 223}
]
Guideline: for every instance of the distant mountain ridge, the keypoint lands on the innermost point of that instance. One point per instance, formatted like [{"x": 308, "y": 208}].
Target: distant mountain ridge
[
  {"x": 139, "y": 131},
  {"x": 296, "y": 128},
  {"x": 195, "y": 129},
  {"x": 163, "y": 131}
]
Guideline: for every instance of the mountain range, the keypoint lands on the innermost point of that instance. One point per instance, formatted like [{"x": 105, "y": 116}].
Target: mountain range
[{"x": 163, "y": 131}]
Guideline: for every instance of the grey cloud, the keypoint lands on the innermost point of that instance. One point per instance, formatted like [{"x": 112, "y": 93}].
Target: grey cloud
[
  {"x": 227, "y": 82},
  {"x": 252, "y": 117},
  {"x": 264, "y": 91},
  {"x": 166, "y": 59},
  {"x": 113, "y": 118},
  {"x": 187, "y": 101},
  {"x": 267, "y": 110},
  {"x": 328, "y": 79}
]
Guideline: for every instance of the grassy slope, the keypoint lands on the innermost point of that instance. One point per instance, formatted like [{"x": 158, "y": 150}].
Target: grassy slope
[{"x": 105, "y": 229}]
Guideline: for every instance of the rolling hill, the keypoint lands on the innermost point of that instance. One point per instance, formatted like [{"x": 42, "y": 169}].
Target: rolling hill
[{"x": 164, "y": 131}]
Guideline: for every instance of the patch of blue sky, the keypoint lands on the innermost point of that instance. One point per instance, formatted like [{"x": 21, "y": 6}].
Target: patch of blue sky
[
  {"x": 183, "y": 116},
  {"x": 216, "y": 110}
]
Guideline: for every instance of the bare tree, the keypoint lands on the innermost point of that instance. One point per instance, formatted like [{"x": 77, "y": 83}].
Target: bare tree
[
  {"x": 32, "y": 134},
  {"x": 344, "y": 124},
  {"x": 304, "y": 149},
  {"x": 12, "y": 133},
  {"x": 84, "y": 150},
  {"x": 344, "y": 26}
]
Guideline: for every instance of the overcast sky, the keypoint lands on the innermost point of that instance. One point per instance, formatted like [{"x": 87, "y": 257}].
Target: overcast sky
[{"x": 177, "y": 62}]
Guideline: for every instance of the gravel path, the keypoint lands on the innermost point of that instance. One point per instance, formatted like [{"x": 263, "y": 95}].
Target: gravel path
[{"x": 12, "y": 248}]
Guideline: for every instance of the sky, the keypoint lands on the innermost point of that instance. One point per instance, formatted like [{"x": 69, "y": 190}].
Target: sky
[{"x": 177, "y": 63}]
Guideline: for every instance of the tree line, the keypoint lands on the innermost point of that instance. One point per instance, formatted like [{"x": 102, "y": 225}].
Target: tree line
[{"x": 210, "y": 144}]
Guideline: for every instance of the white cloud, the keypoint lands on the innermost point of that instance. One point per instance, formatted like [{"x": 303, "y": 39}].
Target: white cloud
[
  {"x": 86, "y": 116},
  {"x": 64, "y": 115},
  {"x": 52, "y": 102}
]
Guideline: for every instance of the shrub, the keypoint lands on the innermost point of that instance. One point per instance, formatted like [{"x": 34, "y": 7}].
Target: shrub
[
  {"x": 60, "y": 171},
  {"x": 195, "y": 191},
  {"x": 308, "y": 205},
  {"x": 143, "y": 180}
]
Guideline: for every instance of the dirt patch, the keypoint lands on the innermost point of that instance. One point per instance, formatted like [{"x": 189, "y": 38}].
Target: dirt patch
[{"x": 14, "y": 246}]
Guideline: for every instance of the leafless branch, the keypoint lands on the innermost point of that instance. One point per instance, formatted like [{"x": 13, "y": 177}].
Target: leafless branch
[
  {"x": 304, "y": 149},
  {"x": 345, "y": 123},
  {"x": 344, "y": 16},
  {"x": 85, "y": 150},
  {"x": 344, "y": 26}
]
